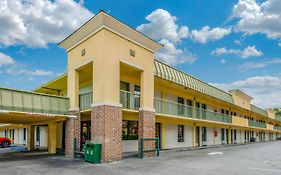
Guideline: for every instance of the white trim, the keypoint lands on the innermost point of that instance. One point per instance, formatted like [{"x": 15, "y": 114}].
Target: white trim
[
  {"x": 147, "y": 109},
  {"x": 127, "y": 38},
  {"x": 83, "y": 64},
  {"x": 71, "y": 116},
  {"x": 74, "y": 109},
  {"x": 85, "y": 38},
  {"x": 108, "y": 28},
  {"x": 132, "y": 64},
  {"x": 106, "y": 104},
  {"x": 4, "y": 111}
]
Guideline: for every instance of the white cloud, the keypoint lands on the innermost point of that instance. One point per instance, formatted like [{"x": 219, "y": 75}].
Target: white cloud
[
  {"x": 6, "y": 59},
  {"x": 237, "y": 42},
  {"x": 258, "y": 65},
  {"x": 206, "y": 34},
  {"x": 37, "y": 23},
  {"x": 258, "y": 17},
  {"x": 265, "y": 90},
  {"x": 249, "y": 51},
  {"x": 162, "y": 25},
  {"x": 172, "y": 55},
  {"x": 20, "y": 70},
  {"x": 223, "y": 61},
  {"x": 10, "y": 66}
]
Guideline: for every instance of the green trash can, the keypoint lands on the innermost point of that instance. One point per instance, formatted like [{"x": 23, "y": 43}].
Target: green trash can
[{"x": 92, "y": 152}]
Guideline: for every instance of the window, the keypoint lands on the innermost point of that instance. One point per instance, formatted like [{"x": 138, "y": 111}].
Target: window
[
  {"x": 204, "y": 106},
  {"x": 222, "y": 134},
  {"x": 24, "y": 134},
  {"x": 124, "y": 86},
  {"x": 197, "y": 105},
  {"x": 227, "y": 112},
  {"x": 222, "y": 111},
  {"x": 189, "y": 102},
  {"x": 180, "y": 106},
  {"x": 129, "y": 130},
  {"x": 180, "y": 133},
  {"x": 137, "y": 91},
  {"x": 85, "y": 132}
]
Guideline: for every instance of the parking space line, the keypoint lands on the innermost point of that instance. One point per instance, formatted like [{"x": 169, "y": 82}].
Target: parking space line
[
  {"x": 272, "y": 162},
  {"x": 263, "y": 169}
]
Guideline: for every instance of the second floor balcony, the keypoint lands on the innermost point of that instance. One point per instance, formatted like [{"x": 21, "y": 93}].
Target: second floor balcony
[
  {"x": 277, "y": 128},
  {"x": 256, "y": 124},
  {"x": 177, "y": 109}
]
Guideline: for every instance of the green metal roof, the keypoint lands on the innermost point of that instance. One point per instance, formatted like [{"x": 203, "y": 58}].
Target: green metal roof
[
  {"x": 258, "y": 110},
  {"x": 171, "y": 74}
]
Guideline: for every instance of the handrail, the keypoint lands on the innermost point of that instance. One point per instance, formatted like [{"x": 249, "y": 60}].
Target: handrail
[
  {"x": 130, "y": 100},
  {"x": 177, "y": 109},
  {"x": 157, "y": 149}
]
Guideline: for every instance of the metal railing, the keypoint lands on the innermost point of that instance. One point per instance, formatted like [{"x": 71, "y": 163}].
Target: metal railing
[
  {"x": 22, "y": 101},
  {"x": 130, "y": 100},
  {"x": 256, "y": 124},
  {"x": 85, "y": 100},
  {"x": 277, "y": 128},
  {"x": 177, "y": 109}
]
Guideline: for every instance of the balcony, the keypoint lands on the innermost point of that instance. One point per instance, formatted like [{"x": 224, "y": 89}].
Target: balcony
[
  {"x": 277, "y": 128},
  {"x": 85, "y": 101},
  {"x": 256, "y": 124},
  {"x": 130, "y": 100},
  {"x": 176, "y": 109},
  {"x": 22, "y": 101}
]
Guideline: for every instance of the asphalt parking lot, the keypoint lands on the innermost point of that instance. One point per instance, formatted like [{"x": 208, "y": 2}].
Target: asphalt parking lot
[{"x": 256, "y": 159}]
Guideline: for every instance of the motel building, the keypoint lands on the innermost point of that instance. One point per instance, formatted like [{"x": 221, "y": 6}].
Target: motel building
[{"x": 115, "y": 93}]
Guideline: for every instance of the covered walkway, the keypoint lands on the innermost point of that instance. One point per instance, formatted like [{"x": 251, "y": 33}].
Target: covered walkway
[{"x": 29, "y": 111}]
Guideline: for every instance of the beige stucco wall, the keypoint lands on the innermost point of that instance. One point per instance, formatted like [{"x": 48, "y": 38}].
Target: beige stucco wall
[
  {"x": 107, "y": 50},
  {"x": 239, "y": 121},
  {"x": 271, "y": 113},
  {"x": 239, "y": 101}
]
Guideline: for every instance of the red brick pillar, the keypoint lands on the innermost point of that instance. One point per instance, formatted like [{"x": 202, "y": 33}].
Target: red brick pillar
[
  {"x": 146, "y": 129},
  {"x": 72, "y": 131},
  {"x": 106, "y": 128}
]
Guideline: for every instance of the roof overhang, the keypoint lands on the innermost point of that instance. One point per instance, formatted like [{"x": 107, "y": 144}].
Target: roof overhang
[
  {"x": 103, "y": 20},
  {"x": 241, "y": 94},
  {"x": 54, "y": 86}
]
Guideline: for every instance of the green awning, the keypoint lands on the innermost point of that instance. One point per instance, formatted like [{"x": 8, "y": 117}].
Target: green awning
[
  {"x": 258, "y": 110},
  {"x": 171, "y": 74}
]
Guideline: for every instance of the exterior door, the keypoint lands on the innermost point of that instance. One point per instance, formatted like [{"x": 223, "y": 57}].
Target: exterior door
[
  {"x": 204, "y": 136},
  {"x": 227, "y": 136},
  {"x": 197, "y": 135},
  {"x": 158, "y": 133}
]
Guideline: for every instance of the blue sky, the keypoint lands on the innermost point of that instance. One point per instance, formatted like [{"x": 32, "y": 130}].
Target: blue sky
[{"x": 230, "y": 44}]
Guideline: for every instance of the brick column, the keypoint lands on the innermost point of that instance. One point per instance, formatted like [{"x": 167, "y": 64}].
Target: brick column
[
  {"x": 106, "y": 129},
  {"x": 146, "y": 129},
  {"x": 72, "y": 131}
]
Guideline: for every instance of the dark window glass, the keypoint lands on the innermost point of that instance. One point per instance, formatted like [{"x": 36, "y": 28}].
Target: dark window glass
[
  {"x": 129, "y": 130},
  {"x": 197, "y": 104},
  {"x": 180, "y": 106},
  {"x": 180, "y": 133},
  {"x": 222, "y": 111},
  {"x": 124, "y": 86},
  {"x": 222, "y": 134},
  {"x": 189, "y": 102}
]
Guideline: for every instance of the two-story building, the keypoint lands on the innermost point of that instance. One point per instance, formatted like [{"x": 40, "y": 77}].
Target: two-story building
[{"x": 118, "y": 93}]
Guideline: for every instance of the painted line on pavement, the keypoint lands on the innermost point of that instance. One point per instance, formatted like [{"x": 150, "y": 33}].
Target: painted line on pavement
[
  {"x": 272, "y": 162},
  {"x": 215, "y": 153},
  {"x": 263, "y": 169}
]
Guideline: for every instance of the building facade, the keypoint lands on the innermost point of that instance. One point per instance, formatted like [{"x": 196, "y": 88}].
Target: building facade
[{"x": 118, "y": 94}]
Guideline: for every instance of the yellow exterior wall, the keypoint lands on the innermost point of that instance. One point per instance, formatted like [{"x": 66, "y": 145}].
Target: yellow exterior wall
[
  {"x": 240, "y": 121},
  {"x": 239, "y": 101}
]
